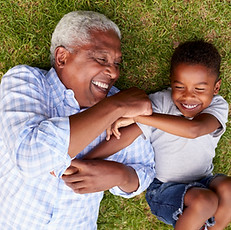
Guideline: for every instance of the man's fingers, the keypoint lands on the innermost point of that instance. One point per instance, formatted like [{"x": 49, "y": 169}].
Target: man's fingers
[
  {"x": 71, "y": 170},
  {"x": 77, "y": 187},
  {"x": 72, "y": 178},
  {"x": 77, "y": 163}
]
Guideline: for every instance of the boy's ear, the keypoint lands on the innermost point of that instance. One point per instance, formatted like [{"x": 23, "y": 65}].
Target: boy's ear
[
  {"x": 217, "y": 87},
  {"x": 60, "y": 56}
]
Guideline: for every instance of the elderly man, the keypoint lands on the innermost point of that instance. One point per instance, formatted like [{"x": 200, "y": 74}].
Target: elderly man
[{"x": 51, "y": 119}]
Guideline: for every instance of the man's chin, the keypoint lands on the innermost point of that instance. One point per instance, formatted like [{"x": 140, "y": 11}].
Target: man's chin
[{"x": 97, "y": 100}]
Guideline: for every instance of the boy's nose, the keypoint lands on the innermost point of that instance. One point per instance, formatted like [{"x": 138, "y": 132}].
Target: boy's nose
[{"x": 188, "y": 93}]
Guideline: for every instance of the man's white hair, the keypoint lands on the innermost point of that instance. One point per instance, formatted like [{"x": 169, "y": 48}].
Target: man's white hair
[{"x": 75, "y": 27}]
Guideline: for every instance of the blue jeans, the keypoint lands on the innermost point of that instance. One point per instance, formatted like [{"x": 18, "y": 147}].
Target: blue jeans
[{"x": 166, "y": 200}]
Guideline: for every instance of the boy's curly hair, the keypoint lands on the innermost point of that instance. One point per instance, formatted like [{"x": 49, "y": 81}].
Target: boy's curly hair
[{"x": 197, "y": 52}]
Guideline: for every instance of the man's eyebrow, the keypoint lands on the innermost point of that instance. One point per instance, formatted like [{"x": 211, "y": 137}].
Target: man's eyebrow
[{"x": 102, "y": 52}]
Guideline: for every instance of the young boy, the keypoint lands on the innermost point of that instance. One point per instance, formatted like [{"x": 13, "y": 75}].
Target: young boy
[{"x": 187, "y": 122}]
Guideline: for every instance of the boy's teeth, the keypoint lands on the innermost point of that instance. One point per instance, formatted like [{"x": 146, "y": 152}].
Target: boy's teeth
[
  {"x": 189, "y": 106},
  {"x": 100, "y": 84}
]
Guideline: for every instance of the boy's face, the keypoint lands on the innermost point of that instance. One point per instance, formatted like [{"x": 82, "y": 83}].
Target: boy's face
[{"x": 193, "y": 87}]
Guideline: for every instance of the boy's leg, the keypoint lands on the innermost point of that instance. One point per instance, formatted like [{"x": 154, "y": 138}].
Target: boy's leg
[
  {"x": 221, "y": 185},
  {"x": 200, "y": 205}
]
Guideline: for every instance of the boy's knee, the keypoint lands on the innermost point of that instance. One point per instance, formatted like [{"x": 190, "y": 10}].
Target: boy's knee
[
  {"x": 205, "y": 201},
  {"x": 209, "y": 199},
  {"x": 224, "y": 190}
]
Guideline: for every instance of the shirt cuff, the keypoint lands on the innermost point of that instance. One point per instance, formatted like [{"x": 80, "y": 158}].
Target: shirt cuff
[{"x": 145, "y": 178}]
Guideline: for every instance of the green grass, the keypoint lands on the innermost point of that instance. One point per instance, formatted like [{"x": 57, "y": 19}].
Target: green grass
[{"x": 151, "y": 29}]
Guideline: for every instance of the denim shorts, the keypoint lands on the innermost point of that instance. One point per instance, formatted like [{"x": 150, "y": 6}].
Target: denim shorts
[{"x": 166, "y": 200}]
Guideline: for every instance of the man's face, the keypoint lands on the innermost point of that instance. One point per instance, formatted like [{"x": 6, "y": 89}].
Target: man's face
[
  {"x": 93, "y": 68},
  {"x": 193, "y": 87}
]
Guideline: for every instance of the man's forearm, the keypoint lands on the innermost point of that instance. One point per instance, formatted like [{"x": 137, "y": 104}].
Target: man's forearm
[
  {"x": 100, "y": 175},
  {"x": 87, "y": 125}
]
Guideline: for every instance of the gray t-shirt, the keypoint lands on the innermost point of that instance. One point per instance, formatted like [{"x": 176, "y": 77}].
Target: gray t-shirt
[{"x": 182, "y": 159}]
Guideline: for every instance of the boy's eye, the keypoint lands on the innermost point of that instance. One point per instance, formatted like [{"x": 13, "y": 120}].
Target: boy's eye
[
  {"x": 179, "y": 87},
  {"x": 199, "y": 89}
]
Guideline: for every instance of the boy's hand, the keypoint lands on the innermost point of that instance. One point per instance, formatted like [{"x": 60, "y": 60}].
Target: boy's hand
[{"x": 114, "y": 128}]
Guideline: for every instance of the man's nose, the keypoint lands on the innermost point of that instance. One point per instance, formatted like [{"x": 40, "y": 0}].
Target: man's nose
[{"x": 112, "y": 71}]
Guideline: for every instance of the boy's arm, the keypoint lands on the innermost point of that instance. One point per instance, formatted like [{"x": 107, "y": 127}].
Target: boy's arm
[
  {"x": 107, "y": 148},
  {"x": 200, "y": 125}
]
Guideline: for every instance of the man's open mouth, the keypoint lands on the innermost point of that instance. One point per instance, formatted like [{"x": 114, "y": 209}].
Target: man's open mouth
[{"x": 101, "y": 84}]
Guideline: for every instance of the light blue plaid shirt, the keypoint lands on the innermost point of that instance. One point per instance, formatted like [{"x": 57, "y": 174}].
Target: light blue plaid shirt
[{"x": 35, "y": 108}]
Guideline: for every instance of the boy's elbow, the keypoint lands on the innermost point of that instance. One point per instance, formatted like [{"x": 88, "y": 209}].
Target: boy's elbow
[{"x": 194, "y": 131}]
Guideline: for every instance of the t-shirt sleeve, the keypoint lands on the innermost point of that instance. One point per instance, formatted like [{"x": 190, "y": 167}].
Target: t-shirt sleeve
[
  {"x": 160, "y": 101},
  {"x": 218, "y": 108}
]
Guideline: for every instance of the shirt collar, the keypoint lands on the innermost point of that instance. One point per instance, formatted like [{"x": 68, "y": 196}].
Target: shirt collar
[{"x": 59, "y": 92}]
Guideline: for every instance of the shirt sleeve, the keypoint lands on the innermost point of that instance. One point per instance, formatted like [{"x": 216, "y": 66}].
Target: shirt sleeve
[
  {"x": 140, "y": 156},
  {"x": 219, "y": 108},
  {"x": 158, "y": 100},
  {"x": 36, "y": 142}
]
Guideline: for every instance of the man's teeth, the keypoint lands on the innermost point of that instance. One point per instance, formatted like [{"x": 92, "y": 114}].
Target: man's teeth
[
  {"x": 100, "y": 84},
  {"x": 189, "y": 106}
]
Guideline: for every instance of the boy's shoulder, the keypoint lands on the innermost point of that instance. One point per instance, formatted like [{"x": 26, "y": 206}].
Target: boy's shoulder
[
  {"x": 218, "y": 98},
  {"x": 218, "y": 103},
  {"x": 162, "y": 102},
  {"x": 165, "y": 93}
]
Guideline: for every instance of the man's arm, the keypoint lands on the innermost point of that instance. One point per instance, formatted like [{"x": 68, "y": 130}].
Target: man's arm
[
  {"x": 87, "y": 125},
  {"x": 131, "y": 170},
  {"x": 180, "y": 126},
  {"x": 100, "y": 175}
]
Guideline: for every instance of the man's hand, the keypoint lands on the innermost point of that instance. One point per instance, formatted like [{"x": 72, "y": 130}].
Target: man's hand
[
  {"x": 100, "y": 175},
  {"x": 70, "y": 170},
  {"x": 114, "y": 128},
  {"x": 134, "y": 101}
]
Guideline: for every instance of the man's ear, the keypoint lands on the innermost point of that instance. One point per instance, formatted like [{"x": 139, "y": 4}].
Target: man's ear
[
  {"x": 217, "y": 87},
  {"x": 60, "y": 56}
]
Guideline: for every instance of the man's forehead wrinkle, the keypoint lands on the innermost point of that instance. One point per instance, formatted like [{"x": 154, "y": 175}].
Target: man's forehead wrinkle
[{"x": 101, "y": 52}]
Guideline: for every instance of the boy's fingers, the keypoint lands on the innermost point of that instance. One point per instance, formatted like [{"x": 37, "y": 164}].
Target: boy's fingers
[
  {"x": 109, "y": 133},
  {"x": 116, "y": 133},
  {"x": 53, "y": 173}
]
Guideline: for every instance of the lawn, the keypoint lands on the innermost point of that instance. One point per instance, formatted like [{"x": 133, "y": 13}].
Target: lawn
[{"x": 151, "y": 29}]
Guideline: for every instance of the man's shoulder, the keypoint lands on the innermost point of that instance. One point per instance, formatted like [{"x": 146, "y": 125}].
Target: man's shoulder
[
  {"x": 25, "y": 68},
  {"x": 113, "y": 91},
  {"x": 25, "y": 71}
]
